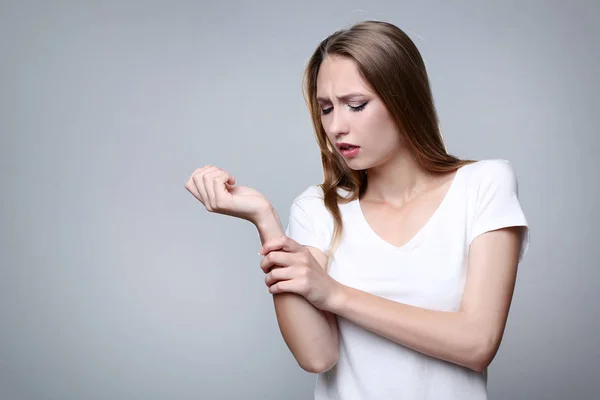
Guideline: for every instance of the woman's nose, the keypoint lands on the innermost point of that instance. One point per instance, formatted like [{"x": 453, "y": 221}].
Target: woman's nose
[{"x": 339, "y": 124}]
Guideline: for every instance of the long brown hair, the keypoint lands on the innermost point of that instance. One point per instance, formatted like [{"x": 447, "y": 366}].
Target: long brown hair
[{"x": 389, "y": 61}]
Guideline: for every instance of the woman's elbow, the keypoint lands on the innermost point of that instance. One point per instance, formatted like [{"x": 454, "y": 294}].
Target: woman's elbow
[
  {"x": 321, "y": 365},
  {"x": 479, "y": 365},
  {"x": 483, "y": 353}
]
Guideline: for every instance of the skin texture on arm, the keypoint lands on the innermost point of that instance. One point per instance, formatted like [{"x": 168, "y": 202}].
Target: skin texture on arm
[
  {"x": 469, "y": 337},
  {"x": 310, "y": 334}
]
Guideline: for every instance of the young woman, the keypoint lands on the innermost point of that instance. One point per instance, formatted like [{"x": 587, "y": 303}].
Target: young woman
[{"x": 394, "y": 277}]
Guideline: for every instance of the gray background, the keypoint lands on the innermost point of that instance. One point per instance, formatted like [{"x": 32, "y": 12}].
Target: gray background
[{"x": 117, "y": 284}]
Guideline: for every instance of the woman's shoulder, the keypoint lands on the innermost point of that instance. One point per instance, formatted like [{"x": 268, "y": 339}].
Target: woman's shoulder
[
  {"x": 310, "y": 203},
  {"x": 310, "y": 194},
  {"x": 490, "y": 170},
  {"x": 314, "y": 194},
  {"x": 310, "y": 200}
]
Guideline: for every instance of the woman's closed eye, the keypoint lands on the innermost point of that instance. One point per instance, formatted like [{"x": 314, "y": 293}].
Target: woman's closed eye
[{"x": 360, "y": 107}]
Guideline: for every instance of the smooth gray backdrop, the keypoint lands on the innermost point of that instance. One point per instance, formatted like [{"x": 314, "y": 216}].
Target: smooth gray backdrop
[{"x": 115, "y": 283}]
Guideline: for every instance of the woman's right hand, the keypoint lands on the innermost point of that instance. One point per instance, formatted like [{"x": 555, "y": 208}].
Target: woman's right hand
[{"x": 216, "y": 190}]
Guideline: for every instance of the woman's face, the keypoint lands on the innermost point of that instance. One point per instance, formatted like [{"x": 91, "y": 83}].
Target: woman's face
[{"x": 352, "y": 113}]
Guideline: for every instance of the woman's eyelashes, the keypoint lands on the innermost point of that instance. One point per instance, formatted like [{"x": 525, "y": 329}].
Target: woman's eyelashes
[
  {"x": 353, "y": 108},
  {"x": 360, "y": 107}
]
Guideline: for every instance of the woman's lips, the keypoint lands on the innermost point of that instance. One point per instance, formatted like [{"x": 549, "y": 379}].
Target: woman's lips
[{"x": 351, "y": 151}]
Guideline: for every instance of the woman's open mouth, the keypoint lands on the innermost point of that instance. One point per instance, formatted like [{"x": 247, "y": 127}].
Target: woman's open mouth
[{"x": 349, "y": 150}]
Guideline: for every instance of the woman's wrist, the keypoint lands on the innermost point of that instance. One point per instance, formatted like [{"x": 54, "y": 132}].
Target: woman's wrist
[{"x": 268, "y": 225}]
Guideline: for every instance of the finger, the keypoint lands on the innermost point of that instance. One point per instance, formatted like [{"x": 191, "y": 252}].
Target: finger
[
  {"x": 290, "y": 286},
  {"x": 191, "y": 186},
  {"x": 281, "y": 243},
  {"x": 210, "y": 187},
  {"x": 199, "y": 183},
  {"x": 279, "y": 274},
  {"x": 276, "y": 259},
  {"x": 220, "y": 187},
  {"x": 197, "y": 170}
]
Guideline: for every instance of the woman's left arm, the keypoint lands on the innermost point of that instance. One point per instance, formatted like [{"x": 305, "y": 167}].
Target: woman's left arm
[{"x": 469, "y": 337}]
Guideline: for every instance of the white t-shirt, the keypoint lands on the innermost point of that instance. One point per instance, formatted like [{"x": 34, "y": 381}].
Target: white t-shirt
[{"x": 429, "y": 272}]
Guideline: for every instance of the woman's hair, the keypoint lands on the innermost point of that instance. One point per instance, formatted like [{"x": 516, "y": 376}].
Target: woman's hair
[{"x": 388, "y": 60}]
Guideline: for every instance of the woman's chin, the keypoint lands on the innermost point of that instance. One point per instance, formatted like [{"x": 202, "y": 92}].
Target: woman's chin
[{"x": 356, "y": 165}]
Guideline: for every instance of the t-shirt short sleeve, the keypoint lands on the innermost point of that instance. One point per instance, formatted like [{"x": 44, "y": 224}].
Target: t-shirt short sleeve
[
  {"x": 497, "y": 202},
  {"x": 308, "y": 220}
]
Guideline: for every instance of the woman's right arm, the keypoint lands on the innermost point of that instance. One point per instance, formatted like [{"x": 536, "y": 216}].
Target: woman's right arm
[{"x": 310, "y": 334}]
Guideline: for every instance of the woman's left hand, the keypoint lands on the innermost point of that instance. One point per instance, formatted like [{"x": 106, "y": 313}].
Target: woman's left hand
[{"x": 290, "y": 267}]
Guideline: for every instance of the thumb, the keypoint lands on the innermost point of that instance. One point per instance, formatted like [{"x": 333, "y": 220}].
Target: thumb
[
  {"x": 283, "y": 243},
  {"x": 220, "y": 186}
]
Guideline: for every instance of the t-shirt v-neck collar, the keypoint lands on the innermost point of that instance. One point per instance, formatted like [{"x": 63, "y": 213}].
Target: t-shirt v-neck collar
[{"x": 418, "y": 238}]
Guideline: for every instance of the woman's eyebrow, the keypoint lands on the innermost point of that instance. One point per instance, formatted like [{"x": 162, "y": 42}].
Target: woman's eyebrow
[{"x": 345, "y": 97}]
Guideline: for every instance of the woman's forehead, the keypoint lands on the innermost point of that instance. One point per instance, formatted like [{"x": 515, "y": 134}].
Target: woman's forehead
[{"x": 339, "y": 77}]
